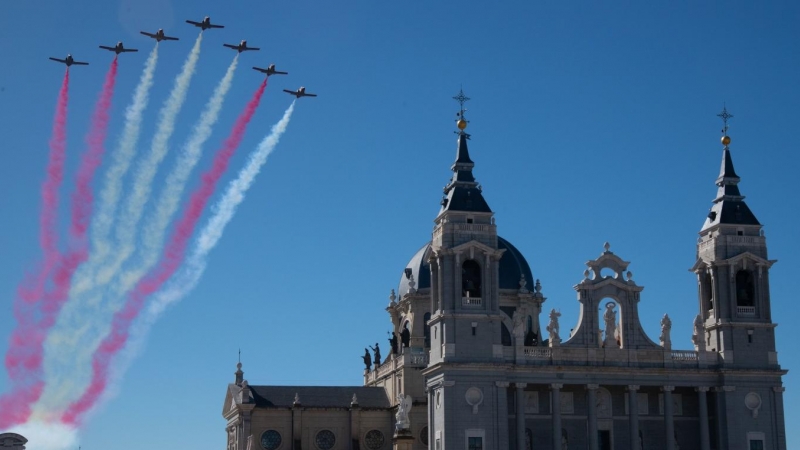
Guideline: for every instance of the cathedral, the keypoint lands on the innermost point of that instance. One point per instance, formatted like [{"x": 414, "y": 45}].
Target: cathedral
[{"x": 477, "y": 363}]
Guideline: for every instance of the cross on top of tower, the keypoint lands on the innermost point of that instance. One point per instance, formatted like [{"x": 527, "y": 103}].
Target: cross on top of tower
[
  {"x": 724, "y": 115},
  {"x": 462, "y": 122}
]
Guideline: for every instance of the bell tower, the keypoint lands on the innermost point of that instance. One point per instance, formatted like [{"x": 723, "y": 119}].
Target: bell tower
[
  {"x": 464, "y": 260},
  {"x": 733, "y": 274}
]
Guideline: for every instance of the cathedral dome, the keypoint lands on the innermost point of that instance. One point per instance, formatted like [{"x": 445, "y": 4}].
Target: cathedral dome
[{"x": 512, "y": 267}]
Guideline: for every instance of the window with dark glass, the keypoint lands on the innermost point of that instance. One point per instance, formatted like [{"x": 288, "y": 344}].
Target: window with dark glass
[
  {"x": 374, "y": 440},
  {"x": 745, "y": 289},
  {"x": 757, "y": 445},
  {"x": 270, "y": 440},
  {"x": 505, "y": 335},
  {"x": 423, "y": 436},
  {"x": 707, "y": 291},
  {"x": 427, "y": 329},
  {"x": 475, "y": 443},
  {"x": 325, "y": 440},
  {"x": 471, "y": 279}
]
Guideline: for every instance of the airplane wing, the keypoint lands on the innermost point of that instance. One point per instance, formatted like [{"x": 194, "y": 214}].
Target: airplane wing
[
  {"x": 197, "y": 24},
  {"x": 168, "y": 38},
  {"x": 59, "y": 60},
  {"x": 251, "y": 48},
  {"x": 280, "y": 73},
  {"x": 254, "y": 67},
  {"x": 148, "y": 34},
  {"x": 290, "y": 92},
  {"x": 108, "y": 48},
  {"x": 230, "y": 46},
  {"x": 76, "y": 63},
  {"x": 310, "y": 95},
  {"x": 130, "y": 50},
  {"x": 216, "y": 26}
]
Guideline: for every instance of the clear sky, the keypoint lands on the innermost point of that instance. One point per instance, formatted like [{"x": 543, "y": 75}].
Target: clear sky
[{"x": 590, "y": 122}]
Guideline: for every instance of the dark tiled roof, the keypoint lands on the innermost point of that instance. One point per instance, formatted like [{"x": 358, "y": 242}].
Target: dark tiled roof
[
  {"x": 320, "y": 396},
  {"x": 729, "y": 206}
]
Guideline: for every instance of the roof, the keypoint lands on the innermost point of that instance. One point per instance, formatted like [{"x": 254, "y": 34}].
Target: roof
[
  {"x": 729, "y": 207},
  {"x": 319, "y": 396},
  {"x": 463, "y": 193}
]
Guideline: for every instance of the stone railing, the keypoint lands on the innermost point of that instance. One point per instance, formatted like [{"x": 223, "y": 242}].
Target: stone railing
[
  {"x": 613, "y": 357},
  {"x": 384, "y": 369},
  {"x": 747, "y": 311},
  {"x": 471, "y": 301},
  {"x": 420, "y": 359},
  {"x": 537, "y": 352},
  {"x": 684, "y": 355},
  {"x": 471, "y": 227}
]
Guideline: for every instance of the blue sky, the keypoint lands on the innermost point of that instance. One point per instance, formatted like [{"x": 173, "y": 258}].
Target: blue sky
[{"x": 590, "y": 122}]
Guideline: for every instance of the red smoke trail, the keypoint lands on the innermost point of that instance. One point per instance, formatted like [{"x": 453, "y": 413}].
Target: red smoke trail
[
  {"x": 30, "y": 337},
  {"x": 170, "y": 261},
  {"x": 15, "y": 407}
]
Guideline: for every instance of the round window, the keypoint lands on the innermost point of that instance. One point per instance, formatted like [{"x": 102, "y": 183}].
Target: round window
[
  {"x": 325, "y": 440},
  {"x": 374, "y": 440},
  {"x": 423, "y": 436},
  {"x": 271, "y": 440}
]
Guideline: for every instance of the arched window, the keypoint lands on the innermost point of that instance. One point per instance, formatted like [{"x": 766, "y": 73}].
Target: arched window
[
  {"x": 505, "y": 335},
  {"x": 706, "y": 289},
  {"x": 745, "y": 289},
  {"x": 471, "y": 279}
]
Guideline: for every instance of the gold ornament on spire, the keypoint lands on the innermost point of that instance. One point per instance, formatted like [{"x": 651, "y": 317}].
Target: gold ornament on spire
[{"x": 462, "y": 122}]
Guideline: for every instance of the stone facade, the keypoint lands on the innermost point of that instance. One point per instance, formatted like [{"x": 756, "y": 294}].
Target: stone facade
[{"x": 475, "y": 371}]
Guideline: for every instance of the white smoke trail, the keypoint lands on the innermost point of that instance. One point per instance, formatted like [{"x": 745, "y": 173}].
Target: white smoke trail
[
  {"x": 184, "y": 281},
  {"x": 143, "y": 180},
  {"x": 47, "y": 436},
  {"x": 70, "y": 345},
  {"x": 155, "y": 229}
]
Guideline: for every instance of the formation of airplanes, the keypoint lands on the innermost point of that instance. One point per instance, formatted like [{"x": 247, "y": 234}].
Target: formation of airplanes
[{"x": 204, "y": 25}]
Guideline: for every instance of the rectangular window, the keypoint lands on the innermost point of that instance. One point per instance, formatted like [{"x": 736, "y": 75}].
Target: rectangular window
[
  {"x": 476, "y": 443},
  {"x": 757, "y": 445}
]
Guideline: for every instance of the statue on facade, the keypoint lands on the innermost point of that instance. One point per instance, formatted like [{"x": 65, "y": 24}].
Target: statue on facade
[
  {"x": 698, "y": 335},
  {"x": 393, "y": 343},
  {"x": 377, "y": 351},
  {"x": 405, "y": 336},
  {"x": 519, "y": 326},
  {"x": 666, "y": 327},
  {"x": 367, "y": 360},
  {"x": 610, "y": 319},
  {"x": 403, "y": 408},
  {"x": 552, "y": 328}
]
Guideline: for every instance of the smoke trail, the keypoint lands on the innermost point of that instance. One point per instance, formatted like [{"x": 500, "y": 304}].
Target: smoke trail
[
  {"x": 48, "y": 436},
  {"x": 171, "y": 259},
  {"x": 62, "y": 369},
  {"x": 142, "y": 184},
  {"x": 186, "y": 280},
  {"x": 154, "y": 232},
  {"x": 21, "y": 356}
]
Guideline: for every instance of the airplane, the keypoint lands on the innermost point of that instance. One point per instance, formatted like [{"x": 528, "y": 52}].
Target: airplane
[
  {"x": 205, "y": 24},
  {"x": 118, "y": 48},
  {"x": 300, "y": 92},
  {"x": 270, "y": 70},
  {"x": 159, "y": 35},
  {"x": 69, "y": 61},
  {"x": 241, "y": 47}
]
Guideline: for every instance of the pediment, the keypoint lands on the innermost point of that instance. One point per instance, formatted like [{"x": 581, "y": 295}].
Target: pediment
[
  {"x": 469, "y": 249},
  {"x": 757, "y": 260}
]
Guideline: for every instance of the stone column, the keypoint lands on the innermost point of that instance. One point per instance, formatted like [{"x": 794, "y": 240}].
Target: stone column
[
  {"x": 556, "y": 409},
  {"x": 705, "y": 442},
  {"x": 633, "y": 415},
  {"x": 591, "y": 412},
  {"x": 502, "y": 413},
  {"x": 780, "y": 432},
  {"x": 521, "y": 415},
  {"x": 669, "y": 424}
]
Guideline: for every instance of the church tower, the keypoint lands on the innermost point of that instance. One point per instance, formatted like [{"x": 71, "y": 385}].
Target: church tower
[
  {"x": 733, "y": 275},
  {"x": 464, "y": 264}
]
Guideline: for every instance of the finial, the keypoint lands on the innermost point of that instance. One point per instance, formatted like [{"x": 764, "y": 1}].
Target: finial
[
  {"x": 538, "y": 287},
  {"x": 462, "y": 122},
  {"x": 392, "y": 298},
  {"x": 296, "y": 399},
  {"x": 724, "y": 115},
  {"x": 522, "y": 283},
  {"x": 606, "y": 246},
  {"x": 240, "y": 356}
]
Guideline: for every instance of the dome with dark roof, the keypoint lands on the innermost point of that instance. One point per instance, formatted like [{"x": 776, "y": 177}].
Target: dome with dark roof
[{"x": 512, "y": 267}]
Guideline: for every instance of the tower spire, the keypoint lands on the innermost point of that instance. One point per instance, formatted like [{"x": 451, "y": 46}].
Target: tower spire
[
  {"x": 463, "y": 193},
  {"x": 729, "y": 206}
]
